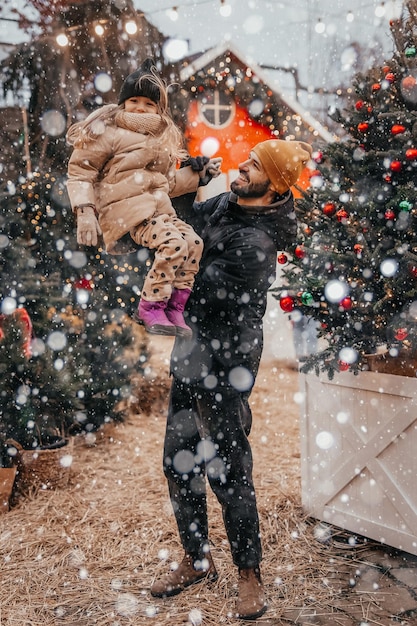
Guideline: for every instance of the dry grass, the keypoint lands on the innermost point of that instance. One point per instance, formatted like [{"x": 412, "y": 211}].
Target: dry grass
[{"x": 87, "y": 554}]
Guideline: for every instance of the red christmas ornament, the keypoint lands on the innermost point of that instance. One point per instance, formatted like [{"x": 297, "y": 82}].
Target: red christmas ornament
[
  {"x": 387, "y": 178},
  {"x": 397, "y": 129},
  {"x": 389, "y": 214},
  {"x": 346, "y": 303},
  {"x": 359, "y": 105},
  {"x": 376, "y": 87},
  {"x": 413, "y": 271},
  {"x": 411, "y": 154},
  {"x": 329, "y": 208},
  {"x": 300, "y": 252},
  {"x": 408, "y": 83},
  {"x": 386, "y": 69},
  {"x": 287, "y": 304},
  {"x": 357, "y": 248},
  {"x": 343, "y": 366},
  {"x": 23, "y": 316},
  {"x": 363, "y": 127},
  {"x": 282, "y": 259},
  {"x": 390, "y": 77},
  {"x": 401, "y": 334},
  {"x": 395, "y": 166},
  {"x": 342, "y": 215},
  {"x": 318, "y": 156},
  {"x": 84, "y": 283}
]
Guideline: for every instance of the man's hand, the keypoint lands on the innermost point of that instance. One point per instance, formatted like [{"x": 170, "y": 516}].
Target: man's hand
[{"x": 88, "y": 229}]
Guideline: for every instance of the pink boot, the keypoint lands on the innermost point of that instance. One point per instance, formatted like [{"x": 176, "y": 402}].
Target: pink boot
[
  {"x": 152, "y": 316},
  {"x": 175, "y": 310}
]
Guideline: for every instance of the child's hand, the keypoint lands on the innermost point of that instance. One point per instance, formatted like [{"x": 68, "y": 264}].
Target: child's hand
[
  {"x": 197, "y": 163},
  {"x": 210, "y": 170},
  {"x": 214, "y": 166},
  {"x": 88, "y": 229}
]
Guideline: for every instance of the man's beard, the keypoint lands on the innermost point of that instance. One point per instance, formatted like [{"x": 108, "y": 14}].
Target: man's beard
[{"x": 251, "y": 190}]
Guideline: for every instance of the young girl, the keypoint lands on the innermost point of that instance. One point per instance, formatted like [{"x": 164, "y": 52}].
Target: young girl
[{"x": 122, "y": 172}]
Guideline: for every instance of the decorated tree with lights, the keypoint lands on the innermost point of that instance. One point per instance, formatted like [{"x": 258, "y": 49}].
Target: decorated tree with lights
[
  {"x": 67, "y": 366},
  {"x": 354, "y": 267},
  {"x": 76, "y": 60},
  {"x": 77, "y": 300}
]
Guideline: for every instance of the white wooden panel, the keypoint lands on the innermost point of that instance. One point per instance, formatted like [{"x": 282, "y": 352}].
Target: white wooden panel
[{"x": 359, "y": 454}]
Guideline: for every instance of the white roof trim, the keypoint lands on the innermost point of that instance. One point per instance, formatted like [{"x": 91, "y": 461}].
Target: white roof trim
[{"x": 212, "y": 54}]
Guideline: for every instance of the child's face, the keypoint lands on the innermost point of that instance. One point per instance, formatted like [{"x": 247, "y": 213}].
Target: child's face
[{"x": 140, "y": 104}]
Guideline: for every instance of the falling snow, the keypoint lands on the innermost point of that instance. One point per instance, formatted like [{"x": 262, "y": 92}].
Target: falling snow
[{"x": 91, "y": 550}]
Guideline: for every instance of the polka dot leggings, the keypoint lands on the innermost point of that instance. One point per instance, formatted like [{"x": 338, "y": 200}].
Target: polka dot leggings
[{"x": 178, "y": 251}]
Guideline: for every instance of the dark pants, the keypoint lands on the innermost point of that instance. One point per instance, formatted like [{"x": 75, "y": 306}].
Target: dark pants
[{"x": 207, "y": 436}]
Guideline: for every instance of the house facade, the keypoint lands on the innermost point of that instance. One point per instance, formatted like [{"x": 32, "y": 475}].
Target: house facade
[{"x": 226, "y": 106}]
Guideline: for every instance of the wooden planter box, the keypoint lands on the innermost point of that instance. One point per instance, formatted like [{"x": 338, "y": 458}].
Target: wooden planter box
[
  {"x": 359, "y": 454},
  {"x": 7, "y": 478},
  {"x": 43, "y": 468}
]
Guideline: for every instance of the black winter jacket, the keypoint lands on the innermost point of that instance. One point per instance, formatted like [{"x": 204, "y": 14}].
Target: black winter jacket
[{"x": 229, "y": 298}]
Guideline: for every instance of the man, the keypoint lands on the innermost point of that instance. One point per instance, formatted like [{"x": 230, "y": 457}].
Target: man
[{"x": 209, "y": 417}]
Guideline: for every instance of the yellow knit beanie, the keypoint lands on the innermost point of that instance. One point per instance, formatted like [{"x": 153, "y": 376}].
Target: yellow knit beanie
[{"x": 283, "y": 161}]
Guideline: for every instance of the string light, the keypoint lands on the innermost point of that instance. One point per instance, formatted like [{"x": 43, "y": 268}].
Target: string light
[
  {"x": 173, "y": 14},
  {"x": 131, "y": 27},
  {"x": 62, "y": 40},
  {"x": 380, "y": 10},
  {"x": 225, "y": 9},
  {"x": 320, "y": 27},
  {"x": 99, "y": 30},
  {"x": 391, "y": 10}
]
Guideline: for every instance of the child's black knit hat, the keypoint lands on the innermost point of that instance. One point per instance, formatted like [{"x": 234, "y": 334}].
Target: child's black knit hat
[{"x": 137, "y": 83}]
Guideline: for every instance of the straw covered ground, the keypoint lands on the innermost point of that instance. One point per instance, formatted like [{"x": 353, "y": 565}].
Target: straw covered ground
[{"x": 86, "y": 554}]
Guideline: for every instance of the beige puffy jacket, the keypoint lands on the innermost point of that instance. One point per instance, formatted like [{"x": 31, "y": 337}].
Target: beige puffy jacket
[{"x": 127, "y": 176}]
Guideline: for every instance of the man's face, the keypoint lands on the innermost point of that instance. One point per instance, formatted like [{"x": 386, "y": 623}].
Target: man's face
[{"x": 252, "y": 181}]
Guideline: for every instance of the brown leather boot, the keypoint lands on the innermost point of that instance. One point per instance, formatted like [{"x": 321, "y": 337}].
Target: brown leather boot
[
  {"x": 185, "y": 575},
  {"x": 250, "y": 603}
]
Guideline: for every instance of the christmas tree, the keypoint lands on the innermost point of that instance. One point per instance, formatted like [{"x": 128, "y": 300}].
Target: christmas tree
[
  {"x": 354, "y": 267},
  {"x": 37, "y": 398},
  {"x": 68, "y": 368},
  {"x": 68, "y": 347},
  {"x": 76, "y": 60}
]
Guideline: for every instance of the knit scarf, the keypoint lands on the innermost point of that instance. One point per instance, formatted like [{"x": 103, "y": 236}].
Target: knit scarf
[{"x": 145, "y": 123}]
